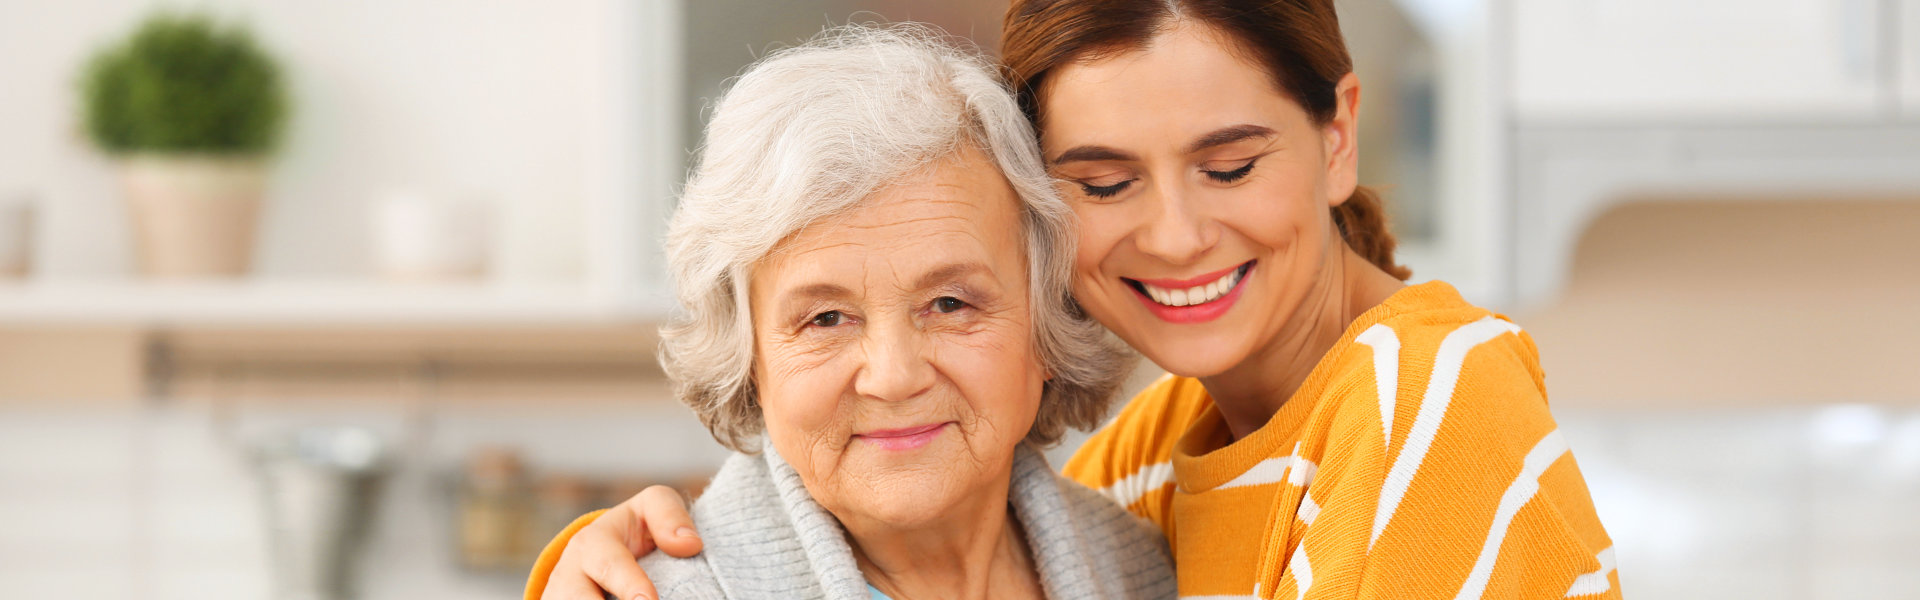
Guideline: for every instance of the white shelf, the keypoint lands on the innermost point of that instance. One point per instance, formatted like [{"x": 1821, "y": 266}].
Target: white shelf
[{"x": 316, "y": 303}]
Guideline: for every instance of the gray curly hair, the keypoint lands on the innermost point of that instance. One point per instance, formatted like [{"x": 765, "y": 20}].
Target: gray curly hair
[{"x": 805, "y": 135}]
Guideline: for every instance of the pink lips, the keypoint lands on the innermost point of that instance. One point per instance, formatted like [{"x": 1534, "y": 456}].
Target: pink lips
[
  {"x": 1198, "y": 313},
  {"x": 903, "y": 439}
]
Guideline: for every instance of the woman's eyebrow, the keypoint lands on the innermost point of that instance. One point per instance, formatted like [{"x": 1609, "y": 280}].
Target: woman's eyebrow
[
  {"x": 1090, "y": 153},
  {"x": 1218, "y": 137},
  {"x": 951, "y": 272},
  {"x": 1228, "y": 135},
  {"x": 795, "y": 299}
]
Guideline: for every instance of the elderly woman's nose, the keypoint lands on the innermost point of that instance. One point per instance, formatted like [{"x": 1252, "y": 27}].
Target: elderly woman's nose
[
  {"x": 1176, "y": 230},
  {"x": 896, "y": 365}
]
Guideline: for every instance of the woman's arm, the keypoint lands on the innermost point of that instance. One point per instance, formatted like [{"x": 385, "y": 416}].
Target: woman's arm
[{"x": 597, "y": 553}]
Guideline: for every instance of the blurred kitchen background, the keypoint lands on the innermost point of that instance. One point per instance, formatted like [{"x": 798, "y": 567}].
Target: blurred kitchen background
[{"x": 1706, "y": 212}]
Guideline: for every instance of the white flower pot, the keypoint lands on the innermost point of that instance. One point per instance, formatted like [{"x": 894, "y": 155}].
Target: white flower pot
[
  {"x": 422, "y": 237},
  {"x": 194, "y": 216}
]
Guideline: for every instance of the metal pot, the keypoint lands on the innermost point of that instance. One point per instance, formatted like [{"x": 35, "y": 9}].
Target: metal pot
[{"x": 321, "y": 486}]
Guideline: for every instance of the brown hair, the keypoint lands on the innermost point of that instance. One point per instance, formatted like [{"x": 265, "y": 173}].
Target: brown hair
[{"x": 1298, "y": 41}]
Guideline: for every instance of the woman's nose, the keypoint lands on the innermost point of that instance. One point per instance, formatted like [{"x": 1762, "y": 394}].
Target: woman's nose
[
  {"x": 897, "y": 366},
  {"x": 1177, "y": 232}
]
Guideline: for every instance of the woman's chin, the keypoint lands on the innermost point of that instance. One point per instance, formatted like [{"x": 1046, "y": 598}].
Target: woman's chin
[
  {"x": 1183, "y": 349},
  {"x": 911, "y": 494},
  {"x": 1193, "y": 357},
  {"x": 911, "y": 505},
  {"x": 907, "y": 512}
]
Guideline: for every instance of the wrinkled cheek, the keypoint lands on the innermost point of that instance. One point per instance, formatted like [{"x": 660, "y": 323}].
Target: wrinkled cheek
[
  {"x": 812, "y": 451},
  {"x": 801, "y": 431},
  {"x": 825, "y": 458}
]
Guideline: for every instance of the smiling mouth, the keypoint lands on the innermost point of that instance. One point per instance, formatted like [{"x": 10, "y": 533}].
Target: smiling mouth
[
  {"x": 905, "y": 438},
  {"x": 1192, "y": 295}
]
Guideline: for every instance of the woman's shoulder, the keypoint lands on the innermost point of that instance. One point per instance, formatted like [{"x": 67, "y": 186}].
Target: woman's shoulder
[
  {"x": 1120, "y": 547},
  {"x": 1431, "y": 352},
  {"x": 1143, "y": 432},
  {"x": 1429, "y": 330},
  {"x": 1101, "y": 519},
  {"x": 682, "y": 578},
  {"x": 740, "y": 484},
  {"x": 750, "y": 545},
  {"x": 1129, "y": 458}
]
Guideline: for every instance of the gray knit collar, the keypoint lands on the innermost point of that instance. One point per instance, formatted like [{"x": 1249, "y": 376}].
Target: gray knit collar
[{"x": 828, "y": 560}]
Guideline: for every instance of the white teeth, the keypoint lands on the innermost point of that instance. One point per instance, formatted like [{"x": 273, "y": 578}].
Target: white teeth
[{"x": 1199, "y": 294}]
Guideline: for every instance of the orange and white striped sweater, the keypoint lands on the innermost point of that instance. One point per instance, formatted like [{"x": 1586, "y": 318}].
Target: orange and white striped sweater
[{"x": 1418, "y": 460}]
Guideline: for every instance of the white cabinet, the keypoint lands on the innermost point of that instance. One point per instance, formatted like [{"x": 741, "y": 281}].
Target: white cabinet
[
  {"x": 1730, "y": 100},
  {"x": 1721, "y": 60},
  {"x": 1565, "y": 177}
]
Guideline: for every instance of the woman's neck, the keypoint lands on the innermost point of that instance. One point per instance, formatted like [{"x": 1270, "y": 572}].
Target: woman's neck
[
  {"x": 974, "y": 552},
  {"x": 1251, "y": 392}
]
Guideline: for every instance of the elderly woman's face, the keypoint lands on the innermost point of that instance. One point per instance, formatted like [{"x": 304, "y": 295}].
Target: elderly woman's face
[{"x": 894, "y": 360}]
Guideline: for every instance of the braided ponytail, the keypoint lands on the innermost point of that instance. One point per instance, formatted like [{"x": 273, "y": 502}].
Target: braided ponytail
[{"x": 1362, "y": 220}]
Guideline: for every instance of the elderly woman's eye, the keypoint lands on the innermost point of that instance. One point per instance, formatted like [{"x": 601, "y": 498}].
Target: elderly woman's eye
[
  {"x": 827, "y": 319},
  {"x": 947, "y": 304}
]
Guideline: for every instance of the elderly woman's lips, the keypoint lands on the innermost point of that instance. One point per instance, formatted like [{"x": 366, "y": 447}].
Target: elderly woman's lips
[{"x": 902, "y": 439}]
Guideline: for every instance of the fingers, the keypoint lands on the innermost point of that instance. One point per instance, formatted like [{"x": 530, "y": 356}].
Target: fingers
[
  {"x": 624, "y": 526},
  {"x": 609, "y": 564},
  {"x": 574, "y": 578},
  {"x": 599, "y": 558},
  {"x": 667, "y": 522}
]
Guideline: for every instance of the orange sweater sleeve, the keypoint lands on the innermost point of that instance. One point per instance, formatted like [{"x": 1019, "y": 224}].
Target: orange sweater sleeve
[{"x": 549, "y": 556}]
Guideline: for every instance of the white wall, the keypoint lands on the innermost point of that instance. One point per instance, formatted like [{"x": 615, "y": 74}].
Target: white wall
[{"x": 508, "y": 100}]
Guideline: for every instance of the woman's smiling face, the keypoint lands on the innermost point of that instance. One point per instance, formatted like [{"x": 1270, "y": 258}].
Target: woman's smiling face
[{"x": 1203, "y": 196}]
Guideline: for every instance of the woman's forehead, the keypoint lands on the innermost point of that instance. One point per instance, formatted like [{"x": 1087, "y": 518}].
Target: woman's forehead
[
  {"x": 1188, "y": 82},
  {"x": 959, "y": 211}
]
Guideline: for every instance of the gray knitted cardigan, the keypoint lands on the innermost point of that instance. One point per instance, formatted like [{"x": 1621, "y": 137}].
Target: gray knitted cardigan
[{"x": 766, "y": 538}]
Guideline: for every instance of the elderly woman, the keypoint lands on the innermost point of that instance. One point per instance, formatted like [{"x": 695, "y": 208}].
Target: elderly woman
[{"x": 873, "y": 267}]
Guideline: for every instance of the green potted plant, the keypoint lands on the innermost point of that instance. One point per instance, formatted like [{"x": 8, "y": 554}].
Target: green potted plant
[{"x": 191, "y": 109}]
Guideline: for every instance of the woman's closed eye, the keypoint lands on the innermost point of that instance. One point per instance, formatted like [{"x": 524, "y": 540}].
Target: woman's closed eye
[
  {"x": 1104, "y": 191},
  {"x": 1233, "y": 175},
  {"x": 1098, "y": 181}
]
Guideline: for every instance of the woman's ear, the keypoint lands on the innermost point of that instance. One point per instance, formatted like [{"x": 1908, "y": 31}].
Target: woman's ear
[{"x": 1342, "y": 141}]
